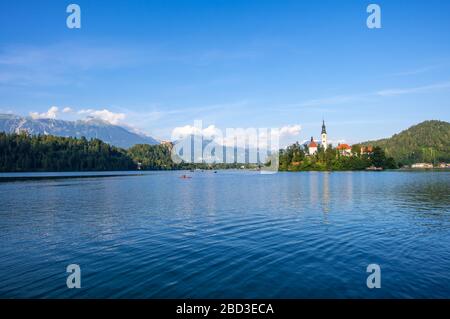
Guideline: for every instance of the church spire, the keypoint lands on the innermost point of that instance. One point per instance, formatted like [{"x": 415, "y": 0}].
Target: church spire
[
  {"x": 324, "y": 129},
  {"x": 324, "y": 136}
]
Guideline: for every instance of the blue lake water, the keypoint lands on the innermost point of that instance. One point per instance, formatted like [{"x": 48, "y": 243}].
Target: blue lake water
[{"x": 234, "y": 234}]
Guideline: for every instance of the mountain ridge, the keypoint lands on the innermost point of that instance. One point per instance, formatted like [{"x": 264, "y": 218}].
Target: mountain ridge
[{"x": 89, "y": 128}]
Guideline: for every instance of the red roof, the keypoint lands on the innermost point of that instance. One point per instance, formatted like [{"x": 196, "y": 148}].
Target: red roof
[
  {"x": 312, "y": 144},
  {"x": 344, "y": 147}
]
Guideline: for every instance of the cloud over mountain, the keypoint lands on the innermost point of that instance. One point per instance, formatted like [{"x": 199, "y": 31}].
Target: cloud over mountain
[{"x": 94, "y": 127}]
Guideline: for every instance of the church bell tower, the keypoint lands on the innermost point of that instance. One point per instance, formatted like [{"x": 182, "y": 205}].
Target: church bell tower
[{"x": 324, "y": 136}]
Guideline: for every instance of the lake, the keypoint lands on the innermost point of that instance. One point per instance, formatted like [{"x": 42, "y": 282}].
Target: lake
[{"x": 230, "y": 234}]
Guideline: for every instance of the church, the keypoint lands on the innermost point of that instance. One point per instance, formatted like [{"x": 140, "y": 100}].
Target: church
[{"x": 312, "y": 145}]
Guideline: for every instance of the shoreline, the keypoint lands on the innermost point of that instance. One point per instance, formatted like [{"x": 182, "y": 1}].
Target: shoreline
[
  {"x": 21, "y": 176},
  {"x": 24, "y": 176}
]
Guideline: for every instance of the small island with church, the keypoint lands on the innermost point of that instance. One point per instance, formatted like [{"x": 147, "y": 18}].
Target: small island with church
[{"x": 398, "y": 151}]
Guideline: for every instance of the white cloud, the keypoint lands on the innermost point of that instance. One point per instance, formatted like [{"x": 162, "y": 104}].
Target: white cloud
[
  {"x": 290, "y": 130},
  {"x": 418, "y": 70},
  {"x": 228, "y": 137},
  {"x": 186, "y": 131},
  {"x": 420, "y": 89},
  {"x": 70, "y": 113},
  {"x": 104, "y": 115},
  {"x": 52, "y": 113},
  {"x": 211, "y": 131},
  {"x": 360, "y": 97},
  {"x": 208, "y": 132}
]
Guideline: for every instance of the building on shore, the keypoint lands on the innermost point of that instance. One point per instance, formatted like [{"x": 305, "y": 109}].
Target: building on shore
[
  {"x": 168, "y": 144},
  {"x": 422, "y": 165},
  {"x": 366, "y": 150},
  {"x": 344, "y": 149}
]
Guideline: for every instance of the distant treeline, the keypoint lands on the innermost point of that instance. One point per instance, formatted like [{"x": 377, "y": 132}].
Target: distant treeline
[
  {"x": 158, "y": 157},
  {"x": 295, "y": 158},
  {"x": 26, "y": 153}
]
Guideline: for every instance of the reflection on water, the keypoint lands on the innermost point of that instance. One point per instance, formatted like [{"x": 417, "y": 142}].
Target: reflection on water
[
  {"x": 230, "y": 234},
  {"x": 433, "y": 194}
]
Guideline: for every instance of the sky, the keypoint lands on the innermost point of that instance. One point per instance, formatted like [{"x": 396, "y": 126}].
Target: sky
[{"x": 156, "y": 66}]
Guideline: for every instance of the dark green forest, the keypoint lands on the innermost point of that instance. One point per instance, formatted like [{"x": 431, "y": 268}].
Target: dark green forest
[
  {"x": 24, "y": 153},
  {"x": 152, "y": 157},
  {"x": 427, "y": 142}
]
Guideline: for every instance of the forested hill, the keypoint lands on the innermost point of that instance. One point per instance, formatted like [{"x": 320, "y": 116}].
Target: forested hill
[
  {"x": 24, "y": 153},
  {"x": 428, "y": 141}
]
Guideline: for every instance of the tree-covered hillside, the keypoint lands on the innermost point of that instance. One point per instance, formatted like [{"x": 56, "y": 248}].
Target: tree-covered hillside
[
  {"x": 428, "y": 141},
  {"x": 152, "y": 157},
  {"x": 24, "y": 153}
]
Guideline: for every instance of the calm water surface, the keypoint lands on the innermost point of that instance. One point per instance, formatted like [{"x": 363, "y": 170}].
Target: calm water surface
[{"x": 230, "y": 234}]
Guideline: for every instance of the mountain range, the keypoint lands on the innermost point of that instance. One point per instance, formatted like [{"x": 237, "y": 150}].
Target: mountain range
[{"x": 89, "y": 128}]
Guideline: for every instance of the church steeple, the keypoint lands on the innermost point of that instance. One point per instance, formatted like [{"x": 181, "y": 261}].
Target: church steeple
[
  {"x": 324, "y": 129},
  {"x": 324, "y": 136}
]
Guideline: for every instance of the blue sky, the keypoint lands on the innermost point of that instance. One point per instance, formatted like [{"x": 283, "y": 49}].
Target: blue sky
[{"x": 157, "y": 65}]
